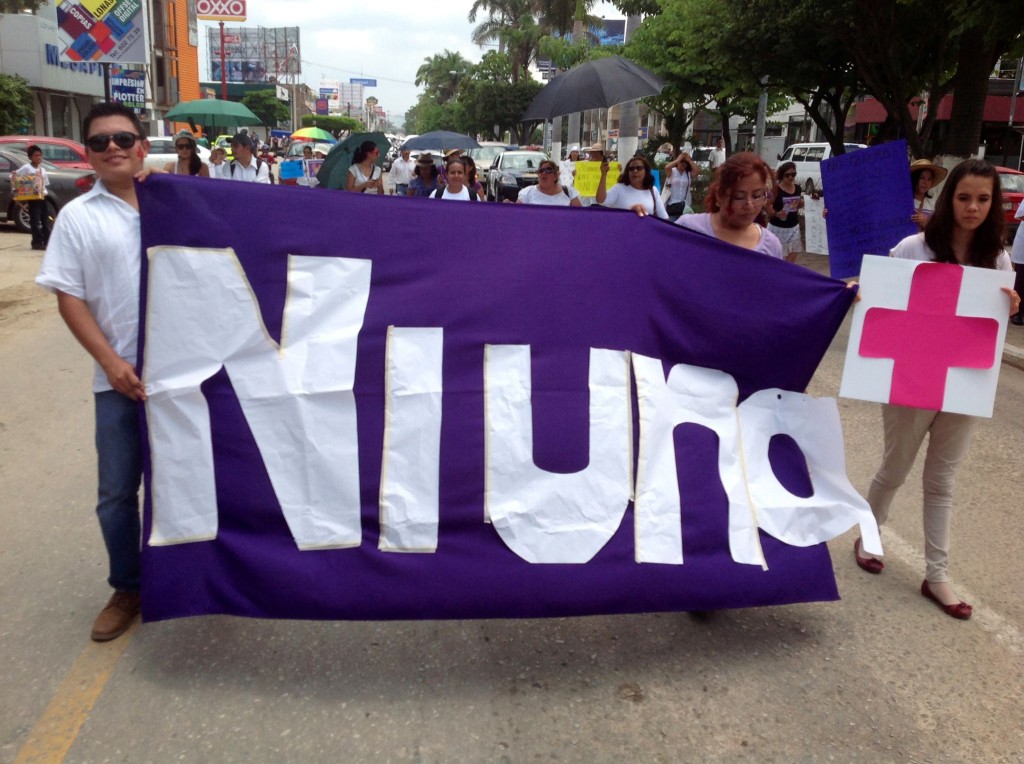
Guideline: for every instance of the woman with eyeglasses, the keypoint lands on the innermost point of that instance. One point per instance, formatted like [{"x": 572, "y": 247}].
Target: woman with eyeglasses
[
  {"x": 784, "y": 221},
  {"x": 364, "y": 176},
  {"x": 736, "y": 198},
  {"x": 634, "y": 191},
  {"x": 189, "y": 162},
  {"x": 549, "y": 190}
]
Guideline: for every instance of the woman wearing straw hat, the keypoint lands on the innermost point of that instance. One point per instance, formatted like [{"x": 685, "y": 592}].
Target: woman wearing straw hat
[
  {"x": 923, "y": 177},
  {"x": 424, "y": 177}
]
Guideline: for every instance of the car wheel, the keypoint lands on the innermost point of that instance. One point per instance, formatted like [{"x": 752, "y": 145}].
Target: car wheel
[{"x": 21, "y": 218}]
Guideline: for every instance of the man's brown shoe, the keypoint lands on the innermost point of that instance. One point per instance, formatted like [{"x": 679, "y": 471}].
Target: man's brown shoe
[{"x": 116, "y": 617}]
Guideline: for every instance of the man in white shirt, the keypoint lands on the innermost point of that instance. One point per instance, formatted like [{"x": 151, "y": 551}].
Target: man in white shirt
[
  {"x": 245, "y": 165},
  {"x": 38, "y": 215},
  {"x": 92, "y": 264},
  {"x": 717, "y": 158},
  {"x": 401, "y": 173}
]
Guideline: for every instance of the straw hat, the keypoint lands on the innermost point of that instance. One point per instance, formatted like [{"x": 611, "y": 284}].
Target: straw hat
[
  {"x": 425, "y": 160},
  {"x": 599, "y": 146},
  {"x": 938, "y": 173},
  {"x": 452, "y": 152}
]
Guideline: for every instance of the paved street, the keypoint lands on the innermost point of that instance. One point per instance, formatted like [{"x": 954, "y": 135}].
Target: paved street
[{"x": 880, "y": 676}]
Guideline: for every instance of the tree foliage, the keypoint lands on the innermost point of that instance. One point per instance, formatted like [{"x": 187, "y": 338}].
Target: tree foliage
[
  {"x": 265, "y": 105},
  {"x": 17, "y": 6},
  {"x": 15, "y": 104},
  {"x": 441, "y": 73},
  {"x": 334, "y": 124}
]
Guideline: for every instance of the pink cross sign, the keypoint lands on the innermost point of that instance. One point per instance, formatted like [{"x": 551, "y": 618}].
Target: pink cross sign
[{"x": 927, "y": 335}]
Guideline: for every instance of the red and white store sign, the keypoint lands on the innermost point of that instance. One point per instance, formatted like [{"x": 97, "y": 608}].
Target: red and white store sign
[{"x": 220, "y": 10}]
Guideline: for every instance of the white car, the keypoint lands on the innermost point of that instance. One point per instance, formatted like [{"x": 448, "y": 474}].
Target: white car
[
  {"x": 808, "y": 158},
  {"x": 161, "y": 151}
]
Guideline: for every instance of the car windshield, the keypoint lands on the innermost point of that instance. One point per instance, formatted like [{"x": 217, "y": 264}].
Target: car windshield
[
  {"x": 702, "y": 155},
  {"x": 1012, "y": 183},
  {"x": 522, "y": 161},
  {"x": 485, "y": 155}
]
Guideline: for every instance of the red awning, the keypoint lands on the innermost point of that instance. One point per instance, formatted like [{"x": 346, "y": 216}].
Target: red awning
[{"x": 997, "y": 109}]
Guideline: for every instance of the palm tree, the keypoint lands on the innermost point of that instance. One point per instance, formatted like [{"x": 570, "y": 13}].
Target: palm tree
[{"x": 440, "y": 75}]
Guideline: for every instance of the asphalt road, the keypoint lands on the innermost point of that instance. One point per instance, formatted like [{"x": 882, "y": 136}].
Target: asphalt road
[{"x": 881, "y": 675}]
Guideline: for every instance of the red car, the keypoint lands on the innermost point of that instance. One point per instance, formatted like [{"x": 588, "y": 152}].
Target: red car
[
  {"x": 1012, "y": 184},
  {"x": 62, "y": 152}
]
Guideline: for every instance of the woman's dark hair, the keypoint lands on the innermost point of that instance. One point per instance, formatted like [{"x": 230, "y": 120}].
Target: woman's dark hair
[
  {"x": 729, "y": 175},
  {"x": 470, "y": 170},
  {"x": 648, "y": 175},
  {"x": 783, "y": 169},
  {"x": 195, "y": 164},
  {"x": 363, "y": 151},
  {"x": 987, "y": 242}
]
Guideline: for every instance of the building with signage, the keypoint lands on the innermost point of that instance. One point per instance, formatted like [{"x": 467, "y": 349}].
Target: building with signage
[
  {"x": 255, "y": 54},
  {"x": 166, "y": 39}
]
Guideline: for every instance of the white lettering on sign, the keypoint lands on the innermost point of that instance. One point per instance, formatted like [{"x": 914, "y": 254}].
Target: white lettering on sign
[
  {"x": 220, "y": 10},
  {"x": 299, "y": 402}
]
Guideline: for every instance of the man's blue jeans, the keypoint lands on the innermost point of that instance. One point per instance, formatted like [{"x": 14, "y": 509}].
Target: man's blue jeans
[{"x": 119, "y": 447}]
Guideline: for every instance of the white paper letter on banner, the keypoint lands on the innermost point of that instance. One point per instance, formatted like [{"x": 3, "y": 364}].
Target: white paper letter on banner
[
  {"x": 835, "y": 506},
  {"x": 297, "y": 399},
  {"x": 691, "y": 394},
  {"x": 411, "y": 466},
  {"x": 543, "y": 516}
]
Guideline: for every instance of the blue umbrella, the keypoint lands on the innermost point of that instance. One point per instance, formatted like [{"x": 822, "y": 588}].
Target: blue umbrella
[{"x": 440, "y": 140}]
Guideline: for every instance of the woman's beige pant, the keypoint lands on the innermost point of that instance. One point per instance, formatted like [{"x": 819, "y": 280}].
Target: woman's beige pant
[{"x": 949, "y": 436}]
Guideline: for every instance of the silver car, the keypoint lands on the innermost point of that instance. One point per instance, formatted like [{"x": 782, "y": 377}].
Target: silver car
[{"x": 65, "y": 185}]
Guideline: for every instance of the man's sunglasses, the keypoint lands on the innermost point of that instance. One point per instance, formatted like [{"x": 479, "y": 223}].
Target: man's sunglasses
[{"x": 100, "y": 142}]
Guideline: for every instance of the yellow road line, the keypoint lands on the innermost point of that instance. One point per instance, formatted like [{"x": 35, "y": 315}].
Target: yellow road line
[{"x": 55, "y": 731}]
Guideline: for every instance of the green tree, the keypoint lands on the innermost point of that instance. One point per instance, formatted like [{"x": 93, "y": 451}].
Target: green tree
[
  {"x": 17, "y": 6},
  {"x": 15, "y": 104},
  {"x": 493, "y": 103},
  {"x": 332, "y": 123},
  {"x": 264, "y": 104}
]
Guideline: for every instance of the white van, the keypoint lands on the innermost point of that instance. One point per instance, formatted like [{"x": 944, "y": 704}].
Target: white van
[{"x": 808, "y": 158}]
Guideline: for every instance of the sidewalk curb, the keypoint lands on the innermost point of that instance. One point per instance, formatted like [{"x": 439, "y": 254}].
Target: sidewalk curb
[{"x": 1013, "y": 356}]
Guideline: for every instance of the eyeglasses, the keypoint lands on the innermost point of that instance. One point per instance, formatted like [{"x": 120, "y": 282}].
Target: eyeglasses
[
  {"x": 637, "y": 168},
  {"x": 180, "y": 146},
  {"x": 100, "y": 142},
  {"x": 546, "y": 171},
  {"x": 789, "y": 175},
  {"x": 754, "y": 200}
]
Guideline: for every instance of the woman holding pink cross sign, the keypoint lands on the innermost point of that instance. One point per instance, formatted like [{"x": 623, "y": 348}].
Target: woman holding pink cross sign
[{"x": 967, "y": 229}]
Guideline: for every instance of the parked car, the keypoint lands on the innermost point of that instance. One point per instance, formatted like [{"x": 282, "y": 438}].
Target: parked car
[
  {"x": 702, "y": 156},
  {"x": 62, "y": 152},
  {"x": 808, "y": 158},
  {"x": 1012, "y": 184},
  {"x": 65, "y": 185},
  {"x": 511, "y": 171},
  {"x": 484, "y": 157},
  {"x": 161, "y": 151}
]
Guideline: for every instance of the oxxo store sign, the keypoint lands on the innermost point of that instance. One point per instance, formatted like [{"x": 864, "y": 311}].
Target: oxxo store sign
[{"x": 220, "y": 10}]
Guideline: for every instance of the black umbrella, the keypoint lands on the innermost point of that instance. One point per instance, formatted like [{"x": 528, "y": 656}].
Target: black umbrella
[
  {"x": 596, "y": 84},
  {"x": 439, "y": 140}
]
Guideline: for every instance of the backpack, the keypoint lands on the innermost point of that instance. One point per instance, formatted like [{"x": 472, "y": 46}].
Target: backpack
[
  {"x": 438, "y": 193},
  {"x": 259, "y": 164}
]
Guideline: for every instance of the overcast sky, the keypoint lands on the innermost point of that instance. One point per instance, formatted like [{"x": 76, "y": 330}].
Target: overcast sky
[{"x": 376, "y": 39}]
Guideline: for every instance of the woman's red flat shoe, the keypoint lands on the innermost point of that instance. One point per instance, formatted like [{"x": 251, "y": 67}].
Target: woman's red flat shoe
[
  {"x": 961, "y": 610},
  {"x": 870, "y": 564}
]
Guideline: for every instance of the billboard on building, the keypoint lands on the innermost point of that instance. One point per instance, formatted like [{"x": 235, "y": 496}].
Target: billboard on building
[
  {"x": 128, "y": 86},
  {"x": 254, "y": 54},
  {"x": 608, "y": 32},
  {"x": 102, "y": 31}
]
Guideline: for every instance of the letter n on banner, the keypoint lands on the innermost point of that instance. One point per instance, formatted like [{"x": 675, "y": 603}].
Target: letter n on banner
[{"x": 293, "y": 396}]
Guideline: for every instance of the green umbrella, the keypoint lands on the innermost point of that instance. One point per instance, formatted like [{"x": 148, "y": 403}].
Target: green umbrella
[
  {"x": 335, "y": 167},
  {"x": 213, "y": 111}
]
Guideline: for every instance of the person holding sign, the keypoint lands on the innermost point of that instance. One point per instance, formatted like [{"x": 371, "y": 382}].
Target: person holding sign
[
  {"x": 634, "y": 191},
  {"x": 29, "y": 187},
  {"x": 736, "y": 198},
  {"x": 923, "y": 177},
  {"x": 784, "y": 221},
  {"x": 966, "y": 228}
]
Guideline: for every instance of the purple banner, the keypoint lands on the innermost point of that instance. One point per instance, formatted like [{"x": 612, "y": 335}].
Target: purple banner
[
  {"x": 451, "y": 370},
  {"x": 869, "y": 202}
]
